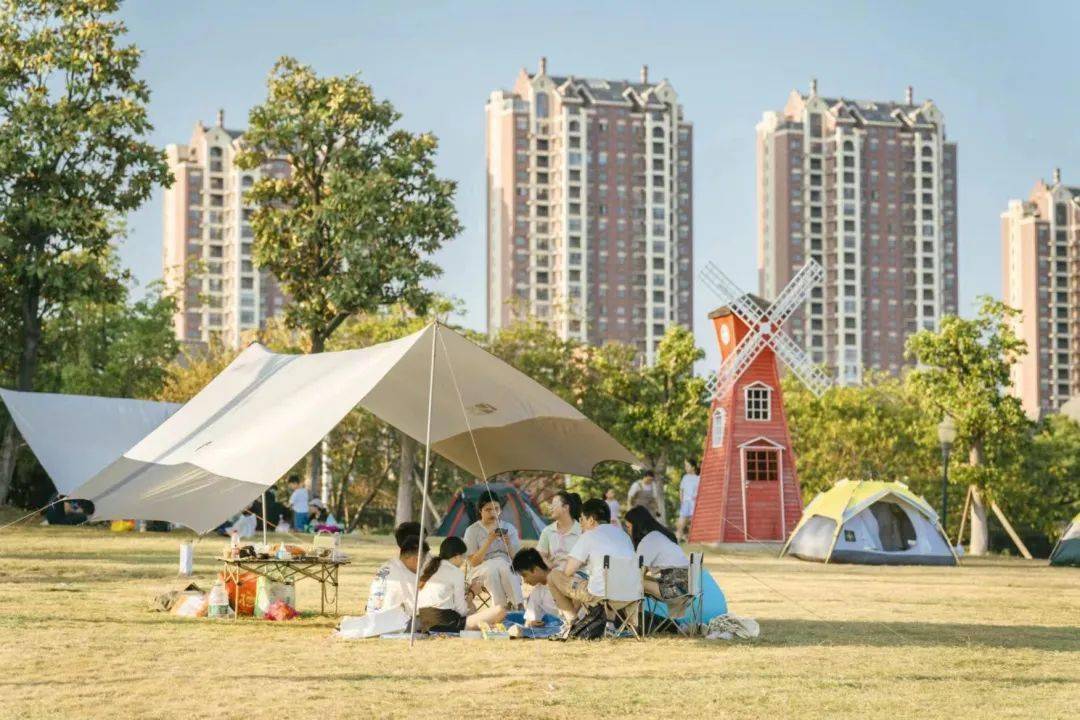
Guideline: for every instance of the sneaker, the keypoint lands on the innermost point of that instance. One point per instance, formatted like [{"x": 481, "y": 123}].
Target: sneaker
[{"x": 563, "y": 635}]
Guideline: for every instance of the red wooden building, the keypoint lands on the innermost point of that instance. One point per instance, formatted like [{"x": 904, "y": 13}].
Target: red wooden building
[{"x": 748, "y": 490}]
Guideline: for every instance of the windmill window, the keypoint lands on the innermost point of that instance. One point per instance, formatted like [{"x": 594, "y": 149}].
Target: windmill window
[
  {"x": 758, "y": 402},
  {"x": 719, "y": 420},
  {"x": 762, "y": 465}
]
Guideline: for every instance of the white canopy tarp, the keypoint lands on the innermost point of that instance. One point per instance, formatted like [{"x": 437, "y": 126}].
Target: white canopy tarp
[
  {"x": 265, "y": 411},
  {"x": 75, "y": 437}
]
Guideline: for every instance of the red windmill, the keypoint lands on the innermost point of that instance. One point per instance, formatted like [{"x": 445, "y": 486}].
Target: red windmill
[{"x": 748, "y": 489}]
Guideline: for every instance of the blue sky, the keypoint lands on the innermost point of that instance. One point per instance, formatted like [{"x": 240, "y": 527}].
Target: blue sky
[{"x": 1001, "y": 77}]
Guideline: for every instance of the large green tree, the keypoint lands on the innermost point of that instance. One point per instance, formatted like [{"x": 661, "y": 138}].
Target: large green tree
[
  {"x": 964, "y": 372},
  {"x": 351, "y": 227},
  {"x": 876, "y": 430},
  {"x": 73, "y": 158},
  {"x": 657, "y": 411}
]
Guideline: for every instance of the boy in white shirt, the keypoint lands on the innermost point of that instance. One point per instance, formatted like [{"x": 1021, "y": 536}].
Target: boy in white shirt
[
  {"x": 599, "y": 538},
  {"x": 530, "y": 565},
  {"x": 688, "y": 488},
  {"x": 401, "y": 580}
]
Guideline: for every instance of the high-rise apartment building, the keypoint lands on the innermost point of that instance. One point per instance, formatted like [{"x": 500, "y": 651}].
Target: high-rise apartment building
[
  {"x": 207, "y": 240},
  {"x": 868, "y": 190},
  {"x": 1039, "y": 238},
  {"x": 589, "y": 207}
]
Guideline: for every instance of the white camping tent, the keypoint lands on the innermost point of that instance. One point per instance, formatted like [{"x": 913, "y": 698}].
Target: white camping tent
[
  {"x": 873, "y": 523},
  {"x": 265, "y": 411},
  {"x": 75, "y": 437}
]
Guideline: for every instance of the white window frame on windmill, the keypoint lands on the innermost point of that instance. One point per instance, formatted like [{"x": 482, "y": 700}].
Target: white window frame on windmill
[
  {"x": 719, "y": 425},
  {"x": 762, "y": 443},
  {"x": 757, "y": 402}
]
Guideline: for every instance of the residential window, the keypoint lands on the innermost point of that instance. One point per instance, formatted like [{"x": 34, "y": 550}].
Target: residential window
[{"x": 758, "y": 402}]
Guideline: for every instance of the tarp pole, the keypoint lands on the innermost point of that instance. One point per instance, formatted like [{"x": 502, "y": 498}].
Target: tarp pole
[{"x": 427, "y": 473}]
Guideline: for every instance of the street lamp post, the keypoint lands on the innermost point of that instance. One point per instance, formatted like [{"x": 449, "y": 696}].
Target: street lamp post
[{"x": 946, "y": 432}]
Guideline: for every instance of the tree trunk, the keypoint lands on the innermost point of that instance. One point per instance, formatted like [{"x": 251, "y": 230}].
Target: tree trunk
[
  {"x": 980, "y": 531},
  {"x": 404, "y": 512},
  {"x": 7, "y": 459},
  {"x": 315, "y": 457},
  {"x": 28, "y": 362},
  {"x": 661, "y": 479}
]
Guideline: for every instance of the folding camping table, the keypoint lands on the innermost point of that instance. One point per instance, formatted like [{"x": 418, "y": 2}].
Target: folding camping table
[{"x": 322, "y": 570}]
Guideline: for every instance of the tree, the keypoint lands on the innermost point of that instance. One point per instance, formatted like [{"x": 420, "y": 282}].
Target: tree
[
  {"x": 964, "y": 372},
  {"x": 659, "y": 411},
  {"x": 876, "y": 430},
  {"x": 351, "y": 227},
  {"x": 72, "y": 158}
]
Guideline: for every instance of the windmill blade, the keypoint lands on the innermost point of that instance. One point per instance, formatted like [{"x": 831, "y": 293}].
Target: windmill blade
[
  {"x": 796, "y": 292},
  {"x": 731, "y": 295},
  {"x": 737, "y": 362},
  {"x": 799, "y": 363}
]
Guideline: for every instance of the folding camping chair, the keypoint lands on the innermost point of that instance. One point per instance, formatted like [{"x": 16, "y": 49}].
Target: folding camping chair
[
  {"x": 694, "y": 608},
  {"x": 624, "y": 591}
]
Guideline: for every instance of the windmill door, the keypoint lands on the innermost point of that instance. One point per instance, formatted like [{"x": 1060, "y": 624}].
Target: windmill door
[{"x": 762, "y": 468}]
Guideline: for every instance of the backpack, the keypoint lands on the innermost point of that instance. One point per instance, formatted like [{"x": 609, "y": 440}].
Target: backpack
[{"x": 591, "y": 625}]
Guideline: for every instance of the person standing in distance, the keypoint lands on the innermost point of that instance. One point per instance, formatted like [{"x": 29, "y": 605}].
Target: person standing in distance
[
  {"x": 688, "y": 488},
  {"x": 298, "y": 501}
]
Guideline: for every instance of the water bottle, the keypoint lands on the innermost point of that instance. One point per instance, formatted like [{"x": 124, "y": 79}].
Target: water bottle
[
  {"x": 218, "y": 601},
  {"x": 377, "y": 591}
]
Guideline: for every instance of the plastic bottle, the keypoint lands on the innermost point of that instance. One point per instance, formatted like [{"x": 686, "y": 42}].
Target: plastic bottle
[
  {"x": 377, "y": 591},
  {"x": 218, "y": 601},
  {"x": 282, "y": 552}
]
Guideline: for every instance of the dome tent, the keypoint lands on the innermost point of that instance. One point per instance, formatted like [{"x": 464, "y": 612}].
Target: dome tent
[
  {"x": 872, "y": 523},
  {"x": 518, "y": 509},
  {"x": 1067, "y": 550}
]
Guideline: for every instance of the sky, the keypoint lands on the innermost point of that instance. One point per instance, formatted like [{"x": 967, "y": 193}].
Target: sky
[{"x": 1001, "y": 78}]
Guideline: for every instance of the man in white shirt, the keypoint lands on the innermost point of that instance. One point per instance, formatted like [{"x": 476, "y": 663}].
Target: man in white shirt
[
  {"x": 298, "y": 502},
  {"x": 401, "y": 579},
  {"x": 490, "y": 544},
  {"x": 688, "y": 488},
  {"x": 599, "y": 538},
  {"x": 558, "y": 538}
]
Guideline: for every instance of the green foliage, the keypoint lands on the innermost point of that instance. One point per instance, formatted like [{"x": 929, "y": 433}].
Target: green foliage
[
  {"x": 1043, "y": 488},
  {"x": 350, "y": 228},
  {"x": 874, "y": 431},
  {"x": 964, "y": 372},
  {"x": 72, "y": 158}
]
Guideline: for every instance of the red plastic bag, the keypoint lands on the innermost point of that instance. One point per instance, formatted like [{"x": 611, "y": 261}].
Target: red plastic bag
[
  {"x": 280, "y": 610},
  {"x": 249, "y": 582}
]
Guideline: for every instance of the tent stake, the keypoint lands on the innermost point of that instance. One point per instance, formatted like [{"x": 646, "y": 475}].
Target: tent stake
[{"x": 427, "y": 471}]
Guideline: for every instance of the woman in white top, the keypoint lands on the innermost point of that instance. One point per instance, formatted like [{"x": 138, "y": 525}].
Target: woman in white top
[
  {"x": 490, "y": 544},
  {"x": 659, "y": 551},
  {"x": 444, "y": 605}
]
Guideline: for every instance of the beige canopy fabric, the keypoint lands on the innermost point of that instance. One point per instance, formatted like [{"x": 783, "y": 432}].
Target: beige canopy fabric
[
  {"x": 75, "y": 436},
  {"x": 265, "y": 411}
]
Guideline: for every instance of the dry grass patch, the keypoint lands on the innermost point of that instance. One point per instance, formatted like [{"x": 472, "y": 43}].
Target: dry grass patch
[{"x": 996, "y": 637}]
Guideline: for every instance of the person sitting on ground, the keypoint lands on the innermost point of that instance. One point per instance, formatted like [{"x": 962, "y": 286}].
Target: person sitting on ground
[
  {"x": 559, "y": 537},
  {"x": 530, "y": 565},
  {"x": 491, "y": 543},
  {"x": 572, "y": 592},
  {"x": 688, "y": 488},
  {"x": 401, "y": 581},
  {"x": 659, "y": 552},
  {"x": 644, "y": 492},
  {"x": 443, "y": 604},
  {"x": 613, "y": 505},
  {"x": 402, "y": 533},
  {"x": 298, "y": 501}
]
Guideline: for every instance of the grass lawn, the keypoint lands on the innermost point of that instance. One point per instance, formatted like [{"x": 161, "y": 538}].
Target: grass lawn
[{"x": 995, "y": 638}]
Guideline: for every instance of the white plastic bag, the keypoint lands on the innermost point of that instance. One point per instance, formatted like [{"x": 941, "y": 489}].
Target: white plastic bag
[
  {"x": 729, "y": 627},
  {"x": 372, "y": 625}
]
